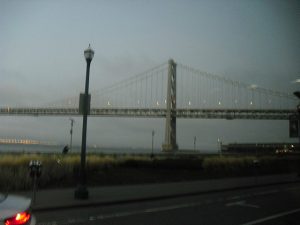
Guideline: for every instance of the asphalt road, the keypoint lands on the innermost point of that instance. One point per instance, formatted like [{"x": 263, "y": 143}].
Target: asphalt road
[{"x": 276, "y": 205}]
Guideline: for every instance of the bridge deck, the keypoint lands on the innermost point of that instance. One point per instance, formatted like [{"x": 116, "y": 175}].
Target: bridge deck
[{"x": 264, "y": 114}]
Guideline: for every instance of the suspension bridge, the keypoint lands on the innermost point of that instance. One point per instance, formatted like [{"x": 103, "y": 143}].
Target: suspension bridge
[{"x": 173, "y": 91}]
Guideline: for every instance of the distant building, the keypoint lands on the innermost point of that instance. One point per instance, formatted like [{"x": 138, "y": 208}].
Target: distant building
[{"x": 261, "y": 148}]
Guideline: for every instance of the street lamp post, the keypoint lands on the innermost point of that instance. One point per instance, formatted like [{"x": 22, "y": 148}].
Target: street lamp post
[{"x": 81, "y": 192}]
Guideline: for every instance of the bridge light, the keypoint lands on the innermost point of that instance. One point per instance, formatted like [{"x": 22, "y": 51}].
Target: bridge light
[
  {"x": 253, "y": 86},
  {"x": 251, "y": 103},
  {"x": 165, "y": 101},
  {"x": 108, "y": 103},
  {"x": 293, "y": 127},
  {"x": 219, "y": 103},
  {"x": 190, "y": 103},
  {"x": 157, "y": 103},
  {"x": 296, "y": 81}
]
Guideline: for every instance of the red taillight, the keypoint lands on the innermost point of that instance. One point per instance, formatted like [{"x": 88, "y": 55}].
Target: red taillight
[{"x": 20, "y": 218}]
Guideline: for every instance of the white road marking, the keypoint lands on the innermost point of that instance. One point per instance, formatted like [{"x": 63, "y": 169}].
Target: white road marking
[
  {"x": 48, "y": 223},
  {"x": 241, "y": 203},
  {"x": 124, "y": 214},
  {"x": 234, "y": 203},
  {"x": 272, "y": 217},
  {"x": 172, "y": 207},
  {"x": 91, "y": 218},
  {"x": 167, "y": 208}
]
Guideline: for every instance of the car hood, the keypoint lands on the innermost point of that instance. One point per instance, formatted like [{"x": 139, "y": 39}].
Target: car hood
[{"x": 12, "y": 205}]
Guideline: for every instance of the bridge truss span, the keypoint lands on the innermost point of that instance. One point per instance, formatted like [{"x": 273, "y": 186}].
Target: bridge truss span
[
  {"x": 230, "y": 114},
  {"x": 181, "y": 113}
]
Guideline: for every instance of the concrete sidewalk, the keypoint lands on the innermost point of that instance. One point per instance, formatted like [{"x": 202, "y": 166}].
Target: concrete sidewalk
[{"x": 107, "y": 195}]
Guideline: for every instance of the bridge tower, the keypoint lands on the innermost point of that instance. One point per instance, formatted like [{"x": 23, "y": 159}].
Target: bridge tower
[{"x": 170, "y": 144}]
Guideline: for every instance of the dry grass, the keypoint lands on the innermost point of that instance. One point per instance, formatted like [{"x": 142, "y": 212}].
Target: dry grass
[
  {"x": 57, "y": 170},
  {"x": 62, "y": 171}
]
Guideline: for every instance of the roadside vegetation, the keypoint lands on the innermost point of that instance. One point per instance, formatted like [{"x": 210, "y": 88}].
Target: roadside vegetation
[{"x": 62, "y": 170}]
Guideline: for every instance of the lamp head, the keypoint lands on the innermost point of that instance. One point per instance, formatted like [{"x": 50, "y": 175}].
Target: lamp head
[{"x": 89, "y": 53}]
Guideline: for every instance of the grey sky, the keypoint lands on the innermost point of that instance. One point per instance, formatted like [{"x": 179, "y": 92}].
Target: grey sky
[{"x": 41, "y": 60}]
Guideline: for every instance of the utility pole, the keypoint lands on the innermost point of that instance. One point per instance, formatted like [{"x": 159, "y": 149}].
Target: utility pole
[
  {"x": 220, "y": 146},
  {"x": 152, "y": 155},
  {"x": 195, "y": 139},
  {"x": 71, "y": 132},
  {"x": 297, "y": 94}
]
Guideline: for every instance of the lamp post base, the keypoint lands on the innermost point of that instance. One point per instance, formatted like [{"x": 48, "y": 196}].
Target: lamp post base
[{"x": 81, "y": 192}]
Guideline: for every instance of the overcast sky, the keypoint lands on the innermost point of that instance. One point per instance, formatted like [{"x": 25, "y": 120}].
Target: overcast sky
[{"x": 41, "y": 60}]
